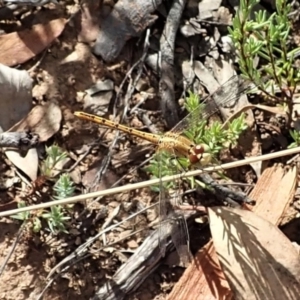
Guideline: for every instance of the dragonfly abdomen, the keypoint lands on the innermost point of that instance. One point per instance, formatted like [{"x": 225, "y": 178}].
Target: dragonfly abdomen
[{"x": 150, "y": 137}]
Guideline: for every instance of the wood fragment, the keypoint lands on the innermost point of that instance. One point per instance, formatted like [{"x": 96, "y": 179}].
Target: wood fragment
[
  {"x": 203, "y": 278},
  {"x": 128, "y": 19},
  {"x": 167, "y": 79},
  {"x": 20, "y": 140}
]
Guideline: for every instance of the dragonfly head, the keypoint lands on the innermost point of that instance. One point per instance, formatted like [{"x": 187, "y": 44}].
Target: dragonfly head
[{"x": 199, "y": 155}]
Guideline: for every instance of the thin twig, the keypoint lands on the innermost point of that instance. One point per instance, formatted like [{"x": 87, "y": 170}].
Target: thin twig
[
  {"x": 144, "y": 96},
  {"x": 76, "y": 261},
  {"x": 118, "y": 181},
  {"x": 83, "y": 248},
  {"x": 130, "y": 90},
  {"x": 149, "y": 124},
  {"x": 151, "y": 182},
  {"x": 38, "y": 63},
  {"x": 90, "y": 148}
]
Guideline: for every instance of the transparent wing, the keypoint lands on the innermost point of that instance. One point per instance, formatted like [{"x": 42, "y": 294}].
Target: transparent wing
[
  {"x": 226, "y": 94},
  {"x": 179, "y": 232},
  {"x": 180, "y": 238},
  {"x": 162, "y": 207}
]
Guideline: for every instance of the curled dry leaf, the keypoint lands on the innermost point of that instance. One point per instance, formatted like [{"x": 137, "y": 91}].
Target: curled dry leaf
[
  {"x": 19, "y": 47},
  {"x": 258, "y": 260},
  {"x": 44, "y": 121},
  {"x": 204, "y": 279},
  {"x": 28, "y": 164}
]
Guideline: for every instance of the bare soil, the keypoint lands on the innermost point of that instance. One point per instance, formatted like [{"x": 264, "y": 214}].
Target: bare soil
[{"x": 65, "y": 72}]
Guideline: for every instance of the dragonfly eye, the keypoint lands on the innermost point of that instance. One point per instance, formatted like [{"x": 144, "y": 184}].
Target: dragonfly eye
[
  {"x": 194, "y": 158},
  {"x": 199, "y": 149}
]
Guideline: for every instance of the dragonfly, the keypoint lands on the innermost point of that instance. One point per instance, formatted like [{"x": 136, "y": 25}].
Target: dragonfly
[{"x": 177, "y": 144}]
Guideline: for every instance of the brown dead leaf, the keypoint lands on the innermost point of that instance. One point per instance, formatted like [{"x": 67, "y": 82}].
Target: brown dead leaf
[
  {"x": 18, "y": 47},
  {"x": 204, "y": 269},
  {"x": 258, "y": 260},
  {"x": 43, "y": 120},
  {"x": 203, "y": 279}
]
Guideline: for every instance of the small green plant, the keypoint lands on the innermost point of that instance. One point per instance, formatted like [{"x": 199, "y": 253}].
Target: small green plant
[
  {"x": 64, "y": 187},
  {"x": 267, "y": 37},
  {"x": 22, "y": 216},
  {"x": 162, "y": 165},
  {"x": 32, "y": 221},
  {"x": 214, "y": 138},
  {"x": 54, "y": 156},
  {"x": 259, "y": 36},
  {"x": 295, "y": 134},
  {"x": 56, "y": 219}
]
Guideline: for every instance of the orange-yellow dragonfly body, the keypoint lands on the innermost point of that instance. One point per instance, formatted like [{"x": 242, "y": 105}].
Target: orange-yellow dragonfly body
[
  {"x": 181, "y": 146},
  {"x": 171, "y": 141}
]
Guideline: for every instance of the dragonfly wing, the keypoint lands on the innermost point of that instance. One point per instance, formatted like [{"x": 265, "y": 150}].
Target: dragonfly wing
[
  {"x": 180, "y": 238},
  {"x": 162, "y": 207},
  {"x": 226, "y": 94},
  {"x": 179, "y": 232}
]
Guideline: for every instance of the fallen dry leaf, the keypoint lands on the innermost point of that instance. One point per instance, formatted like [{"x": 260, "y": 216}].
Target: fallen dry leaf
[
  {"x": 203, "y": 279},
  {"x": 28, "y": 164},
  {"x": 18, "y": 47},
  {"x": 42, "y": 120},
  {"x": 258, "y": 260}
]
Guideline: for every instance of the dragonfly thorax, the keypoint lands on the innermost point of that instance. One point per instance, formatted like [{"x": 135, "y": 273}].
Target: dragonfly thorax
[
  {"x": 184, "y": 147},
  {"x": 196, "y": 154}
]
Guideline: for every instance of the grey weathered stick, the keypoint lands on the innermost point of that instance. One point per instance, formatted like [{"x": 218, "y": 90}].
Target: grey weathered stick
[
  {"x": 167, "y": 46},
  {"x": 138, "y": 267},
  {"x": 129, "y": 18},
  {"x": 20, "y": 140}
]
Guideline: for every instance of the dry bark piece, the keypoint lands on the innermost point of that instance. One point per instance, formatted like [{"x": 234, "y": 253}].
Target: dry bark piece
[
  {"x": 205, "y": 269},
  {"x": 168, "y": 104},
  {"x": 132, "y": 273},
  {"x": 18, "y": 47},
  {"x": 19, "y": 140},
  {"x": 128, "y": 19}
]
